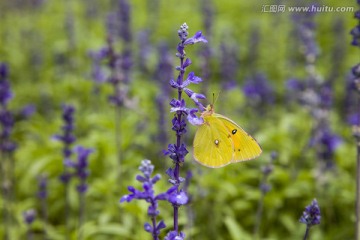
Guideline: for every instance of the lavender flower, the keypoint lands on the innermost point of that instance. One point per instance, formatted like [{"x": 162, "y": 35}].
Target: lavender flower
[
  {"x": 26, "y": 112},
  {"x": 29, "y": 216},
  {"x": 143, "y": 38},
  {"x": 42, "y": 195},
  {"x": 7, "y": 147},
  {"x": 5, "y": 91},
  {"x": 42, "y": 186},
  {"x": 7, "y": 124},
  {"x": 254, "y": 46},
  {"x": 81, "y": 167},
  {"x": 258, "y": 90},
  {"x": 173, "y": 235},
  {"x": 207, "y": 10},
  {"x": 264, "y": 187},
  {"x": 325, "y": 143},
  {"x": 123, "y": 14},
  {"x": 229, "y": 65},
  {"x": 164, "y": 72},
  {"x": 97, "y": 73},
  {"x": 6, "y": 116},
  {"x": 67, "y": 138},
  {"x": 149, "y": 196},
  {"x": 311, "y": 216},
  {"x": 355, "y": 32},
  {"x": 305, "y": 26},
  {"x": 178, "y": 151}
]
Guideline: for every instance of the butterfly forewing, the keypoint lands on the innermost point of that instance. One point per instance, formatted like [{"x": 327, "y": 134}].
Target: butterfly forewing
[
  {"x": 212, "y": 143},
  {"x": 245, "y": 146}
]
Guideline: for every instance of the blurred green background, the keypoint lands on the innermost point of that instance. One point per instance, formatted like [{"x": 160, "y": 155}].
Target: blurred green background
[{"x": 46, "y": 46}]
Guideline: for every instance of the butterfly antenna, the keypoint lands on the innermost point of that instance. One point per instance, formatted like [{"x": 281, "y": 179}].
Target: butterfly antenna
[{"x": 215, "y": 98}]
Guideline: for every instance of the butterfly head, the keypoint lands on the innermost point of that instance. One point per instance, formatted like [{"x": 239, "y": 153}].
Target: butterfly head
[{"x": 209, "y": 110}]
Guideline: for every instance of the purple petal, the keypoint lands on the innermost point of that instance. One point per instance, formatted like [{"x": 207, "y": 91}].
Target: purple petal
[
  {"x": 148, "y": 227},
  {"x": 198, "y": 37}
]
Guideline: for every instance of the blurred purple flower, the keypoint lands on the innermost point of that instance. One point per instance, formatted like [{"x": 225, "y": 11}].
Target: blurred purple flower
[
  {"x": 29, "y": 216},
  {"x": 173, "y": 235},
  {"x": 123, "y": 15},
  {"x": 6, "y": 116},
  {"x": 295, "y": 85},
  {"x": 5, "y": 91},
  {"x": 353, "y": 119},
  {"x": 163, "y": 72},
  {"x": 305, "y": 27},
  {"x": 326, "y": 95},
  {"x": 326, "y": 143},
  {"x": 27, "y": 111},
  {"x": 67, "y": 138},
  {"x": 311, "y": 216},
  {"x": 229, "y": 65},
  {"x": 207, "y": 10},
  {"x": 145, "y": 49},
  {"x": 81, "y": 167},
  {"x": 98, "y": 74},
  {"x": 355, "y": 32},
  {"x": 111, "y": 24},
  {"x": 258, "y": 90},
  {"x": 42, "y": 186},
  {"x": 149, "y": 196},
  {"x": 6, "y": 123}
]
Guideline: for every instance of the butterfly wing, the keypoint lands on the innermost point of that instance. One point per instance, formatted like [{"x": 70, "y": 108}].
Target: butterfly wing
[
  {"x": 245, "y": 146},
  {"x": 212, "y": 145}
]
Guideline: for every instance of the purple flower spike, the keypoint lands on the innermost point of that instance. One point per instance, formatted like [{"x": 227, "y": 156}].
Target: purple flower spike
[
  {"x": 177, "y": 151},
  {"x": 67, "y": 137},
  {"x": 311, "y": 216},
  {"x": 42, "y": 187},
  {"x": 81, "y": 167},
  {"x": 5, "y": 91},
  {"x": 29, "y": 216},
  {"x": 7, "y": 118},
  {"x": 148, "y": 195}
]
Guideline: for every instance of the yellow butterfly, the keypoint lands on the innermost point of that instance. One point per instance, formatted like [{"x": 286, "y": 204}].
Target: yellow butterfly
[{"x": 220, "y": 141}]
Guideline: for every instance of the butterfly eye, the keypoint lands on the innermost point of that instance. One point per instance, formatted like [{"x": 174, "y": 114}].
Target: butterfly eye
[
  {"x": 216, "y": 142},
  {"x": 234, "y": 131}
]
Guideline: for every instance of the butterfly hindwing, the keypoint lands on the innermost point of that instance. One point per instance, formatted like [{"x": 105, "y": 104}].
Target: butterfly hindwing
[
  {"x": 245, "y": 146},
  {"x": 212, "y": 143}
]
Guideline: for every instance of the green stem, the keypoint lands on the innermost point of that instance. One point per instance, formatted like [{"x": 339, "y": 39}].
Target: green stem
[
  {"x": 307, "y": 232},
  {"x": 81, "y": 214},
  {"x": 258, "y": 216},
  {"x": 118, "y": 137},
  {"x": 67, "y": 212},
  {"x": 5, "y": 214}
]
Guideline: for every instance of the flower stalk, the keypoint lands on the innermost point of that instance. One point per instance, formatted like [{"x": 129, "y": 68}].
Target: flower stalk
[
  {"x": 311, "y": 216},
  {"x": 67, "y": 138},
  {"x": 178, "y": 151}
]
